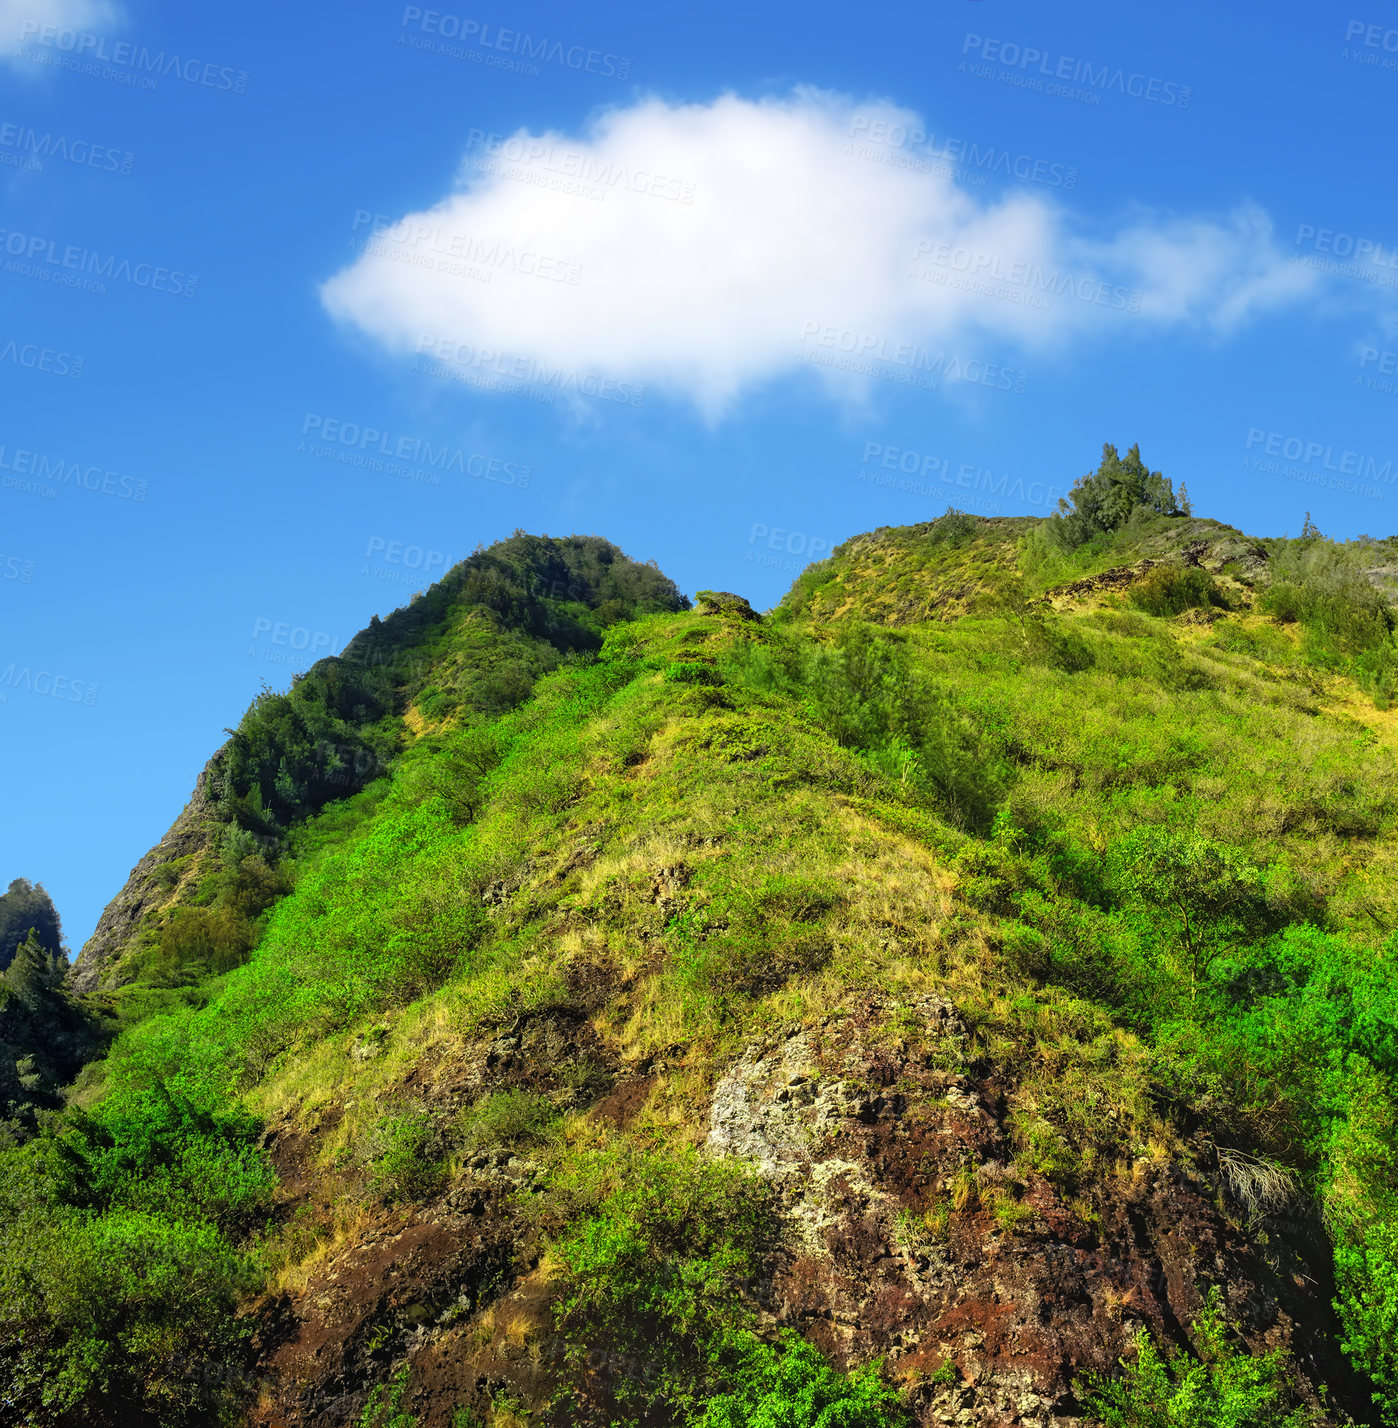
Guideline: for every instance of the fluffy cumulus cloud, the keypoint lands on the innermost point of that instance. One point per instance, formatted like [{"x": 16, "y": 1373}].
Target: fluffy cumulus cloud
[
  {"x": 26, "y": 20},
  {"x": 706, "y": 248}
]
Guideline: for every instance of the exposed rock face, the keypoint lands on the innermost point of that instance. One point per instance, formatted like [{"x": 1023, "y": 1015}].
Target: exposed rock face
[
  {"x": 1119, "y": 577},
  {"x": 909, "y": 1232},
  {"x": 914, "y": 1234},
  {"x": 97, "y": 964},
  {"x": 452, "y": 1284}
]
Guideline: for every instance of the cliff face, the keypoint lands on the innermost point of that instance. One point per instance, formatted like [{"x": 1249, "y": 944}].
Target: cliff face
[
  {"x": 99, "y": 965},
  {"x": 912, "y": 1230}
]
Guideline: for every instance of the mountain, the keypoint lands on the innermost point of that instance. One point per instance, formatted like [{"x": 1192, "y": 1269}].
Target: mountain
[
  {"x": 473, "y": 644},
  {"x": 963, "y": 994}
]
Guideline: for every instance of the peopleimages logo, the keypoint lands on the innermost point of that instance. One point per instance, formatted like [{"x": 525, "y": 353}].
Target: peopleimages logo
[
  {"x": 411, "y": 562},
  {"x": 502, "y": 41},
  {"x": 27, "y": 148},
  {"x": 372, "y": 447},
  {"x": 591, "y": 177},
  {"x": 903, "y": 463},
  {"x": 54, "y": 686},
  {"x": 859, "y": 352},
  {"x": 1316, "y": 463},
  {"x": 39, "y": 358},
  {"x": 981, "y": 270},
  {"x": 1024, "y": 60},
  {"x": 463, "y": 255},
  {"x": 36, "y": 256},
  {"x": 1385, "y": 370},
  {"x": 487, "y": 363},
  {"x": 889, "y": 141},
  {"x": 50, "y": 472},
  {"x": 121, "y": 60}
]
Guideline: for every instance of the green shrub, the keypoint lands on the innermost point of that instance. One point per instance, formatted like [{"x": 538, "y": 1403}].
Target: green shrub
[
  {"x": 653, "y": 1273},
  {"x": 110, "y": 1319},
  {"x": 1173, "y": 589},
  {"x": 1224, "y": 1387},
  {"x": 505, "y": 1118},
  {"x": 1347, "y": 625},
  {"x": 1367, "y": 1277},
  {"x": 865, "y": 690},
  {"x": 411, "y": 1160},
  {"x": 953, "y": 528},
  {"x": 790, "y": 1385},
  {"x": 1105, "y": 499}
]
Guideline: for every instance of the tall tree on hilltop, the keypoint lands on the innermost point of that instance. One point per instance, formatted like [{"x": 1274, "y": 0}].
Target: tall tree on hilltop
[{"x": 26, "y": 905}]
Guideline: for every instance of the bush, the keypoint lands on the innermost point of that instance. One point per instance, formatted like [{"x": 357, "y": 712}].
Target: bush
[
  {"x": 1225, "y": 1387},
  {"x": 1105, "y": 499},
  {"x": 108, "y": 1319},
  {"x": 506, "y": 1118},
  {"x": 652, "y": 1276},
  {"x": 865, "y": 690},
  {"x": 790, "y": 1385},
  {"x": 953, "y": 528},
  {"x": 1173, "y": 589},
  {"x": 411, "y": 1163},
  {"x": 1347, "y": 624},
  {"x": 1367, "y": 1278}
]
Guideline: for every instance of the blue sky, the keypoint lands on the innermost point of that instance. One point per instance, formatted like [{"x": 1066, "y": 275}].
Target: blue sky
[{"x": 299, "y": 304}]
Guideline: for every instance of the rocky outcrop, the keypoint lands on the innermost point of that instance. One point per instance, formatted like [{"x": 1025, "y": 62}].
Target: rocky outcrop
[
  {"x": 1119, "y": 577},
  {"x": 98, "y": 964},
  {"x": 724, "y": 602},
  {"x": 914, "y": 1233}
]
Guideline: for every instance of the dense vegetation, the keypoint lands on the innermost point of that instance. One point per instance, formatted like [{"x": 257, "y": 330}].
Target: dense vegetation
[
  {"x": 1168, "y": 813},
  {"x": 468, "y": 649},
  {"x": 44, "y": 1035},
  {"x": 27, "y": 908}
]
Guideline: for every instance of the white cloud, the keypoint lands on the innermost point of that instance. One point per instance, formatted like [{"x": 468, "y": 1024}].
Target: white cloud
[
  {"x": 23, "y": 21},
  {"x": 734, "y": 238}
]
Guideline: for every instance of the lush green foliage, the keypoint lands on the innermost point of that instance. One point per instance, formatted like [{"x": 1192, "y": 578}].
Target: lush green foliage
[
  {"x": 1223, "y": 1387},
  {"x": 25, "y": 907},
  {"x": 866, "y": 689},
  {"x": 1173, "y": 589},
  {"x": 1368, "y": 1307},
  {"x": 790, "y": 1385},
  {"x": 1105, "y": 499},
  {"x": 1346, "y": 623},
  {"x": 1160, "y": 860},
  {"x": 45, "y": 1036},
  {"x": 120, "y": 1271},
  {"x": 652, "y": 1267}
]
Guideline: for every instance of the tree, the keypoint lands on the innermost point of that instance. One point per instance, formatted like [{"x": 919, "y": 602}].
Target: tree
[
  {"x": 35, "y": 973},
  {"x": 24, "y": 907},
  {"x": 1104, "y": 499},
  {"x": 1206, "y": 892}
]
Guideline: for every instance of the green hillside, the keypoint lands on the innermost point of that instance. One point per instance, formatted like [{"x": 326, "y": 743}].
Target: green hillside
[{"x": 965, "y": 994}]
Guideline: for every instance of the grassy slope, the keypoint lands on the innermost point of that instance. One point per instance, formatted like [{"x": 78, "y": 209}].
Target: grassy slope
[{"x": 679, "y": 815}]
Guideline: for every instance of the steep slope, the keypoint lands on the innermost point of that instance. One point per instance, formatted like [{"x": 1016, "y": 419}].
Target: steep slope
[
  {"x": 472, "y": 644},
  {"x": 904, "y": 1002}
]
